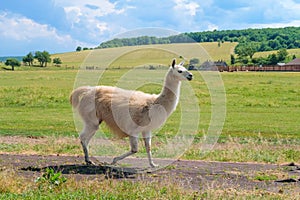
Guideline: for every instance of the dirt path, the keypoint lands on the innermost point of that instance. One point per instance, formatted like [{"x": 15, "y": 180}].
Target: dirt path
[{"x": 196, "y": 175}]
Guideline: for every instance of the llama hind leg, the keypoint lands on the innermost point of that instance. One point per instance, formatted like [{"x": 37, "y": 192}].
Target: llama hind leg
[
  {"x": 87, "y": 133},
  {"x": 134, "y": 148},
  {"x": 147, "y": 141}
]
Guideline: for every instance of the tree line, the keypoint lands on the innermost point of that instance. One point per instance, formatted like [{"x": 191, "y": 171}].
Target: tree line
[
  {"x": 245, "y": 57},
  {"x": 43, "y": 58},
  {"x": 265, "y": 39}
]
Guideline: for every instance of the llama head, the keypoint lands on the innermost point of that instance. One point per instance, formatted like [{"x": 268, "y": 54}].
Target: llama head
[{"x": 179, "y": 72}]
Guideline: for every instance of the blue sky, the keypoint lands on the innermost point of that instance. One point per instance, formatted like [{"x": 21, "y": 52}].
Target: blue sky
[{"x": 62, "y": 25}]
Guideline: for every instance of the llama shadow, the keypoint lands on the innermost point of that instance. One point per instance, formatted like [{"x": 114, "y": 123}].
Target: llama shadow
[
  {"x": 113, "y": 172},
  {"x": 7, "y": 69}
]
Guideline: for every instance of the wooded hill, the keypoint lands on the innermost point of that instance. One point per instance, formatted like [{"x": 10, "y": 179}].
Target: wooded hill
[{"x": 265, "y": 39}]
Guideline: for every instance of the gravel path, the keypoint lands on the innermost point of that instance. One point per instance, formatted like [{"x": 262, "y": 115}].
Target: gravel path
[{"x": 196, "y": 175}]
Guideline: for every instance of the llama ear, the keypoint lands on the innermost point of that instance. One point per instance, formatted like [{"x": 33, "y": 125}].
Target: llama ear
[
  {"x": 173, "y": 63},
  {"x": 181, "y": 63}
]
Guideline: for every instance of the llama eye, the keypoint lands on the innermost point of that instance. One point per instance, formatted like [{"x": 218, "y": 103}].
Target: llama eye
[{"x": 179, "y": 71}]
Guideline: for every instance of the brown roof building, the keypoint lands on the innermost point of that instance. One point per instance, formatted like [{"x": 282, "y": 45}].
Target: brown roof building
[
  {"x": 294, "y": 65},
  {"x": 296, "y": 61}
]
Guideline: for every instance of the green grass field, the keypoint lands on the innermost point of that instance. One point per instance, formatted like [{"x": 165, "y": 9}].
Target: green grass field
[
  {"x": 153, "y": 53},
  {"x": 267, "y": 104},
  {"x": 261, "y": 125},
  {"x": 20, "y": 188},
  {"x": 34, "y": 101},
  {"x": 262, "y": 115},
  {"x": 162, "y": 53}
]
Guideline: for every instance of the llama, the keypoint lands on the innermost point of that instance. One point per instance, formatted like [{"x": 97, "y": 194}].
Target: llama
[{"x": 127, "y": 113}]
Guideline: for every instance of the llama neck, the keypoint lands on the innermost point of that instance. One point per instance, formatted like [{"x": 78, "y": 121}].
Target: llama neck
[{"x": 169, "y": 95}]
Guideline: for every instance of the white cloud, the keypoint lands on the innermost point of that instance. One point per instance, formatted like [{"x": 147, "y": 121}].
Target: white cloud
[
  {"x": 212, "y": 27},
  {"x": 21, "y": 28},
  {"x": 287, "y": 9},
  {"x": 86, "y": 18},
  {"x": 89, "y": 8},
  {"x": 295, "y": 23},
  {"x": 102, "y": 27},
  {"x": 185, "y": 6},
  {"x": 73, "y": 14},
  {"x": 94, "y": 21},
  {"x": 240, "y": 14},
  {"x": 21, "y": 32}
]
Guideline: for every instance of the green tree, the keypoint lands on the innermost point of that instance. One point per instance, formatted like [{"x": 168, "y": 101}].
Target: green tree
[
  {"x": 78, "y": 48},
  {"x": 232, "y": 59},
  {"x": 282, "y": 54},
  {"x": 260, "y": 61},
  {"x": 28, "y": 59},
  {"x": 194, "y": 63},
  {"x": 272, "y": 59},
  {"x": 219, "y": 43},
  {"x": 267, "y": 38},
  {"x": 246, "y": 49},
  {"x": 244, "y": 60},
  {"x": 43, "y": 58},
  {"x": 274, "y": 44},
  {"x": 13, "y": 63},
  {"x": 57, "y": 61},
  {"x": 294, "y": 57}
]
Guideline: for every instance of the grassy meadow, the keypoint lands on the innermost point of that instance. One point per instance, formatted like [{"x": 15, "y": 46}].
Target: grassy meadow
[
  {"x": 260, "y": 107},
  {"x": 261, "y": 125},
  {"x": 20, "y": 188},
  {"x": 153, "y": 53},
  {"x": 34, "y": 101},
  {"x": 36, "y": 118}
]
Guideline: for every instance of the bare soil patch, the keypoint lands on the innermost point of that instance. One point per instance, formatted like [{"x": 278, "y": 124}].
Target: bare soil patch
[{"x": 195, "y": 175}]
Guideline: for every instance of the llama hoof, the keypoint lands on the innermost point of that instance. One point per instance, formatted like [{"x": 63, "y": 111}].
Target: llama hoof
[
  {"x": 90, "y": 163},
  {"x": 115, "y": 160}
]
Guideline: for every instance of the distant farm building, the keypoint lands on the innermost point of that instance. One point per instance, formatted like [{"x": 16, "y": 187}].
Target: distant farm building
[
  {"x": 293, "y": 66},
  {"x": 213, "y": 66}
]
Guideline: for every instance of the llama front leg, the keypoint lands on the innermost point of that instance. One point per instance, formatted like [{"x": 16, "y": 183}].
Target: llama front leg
[
  {"x": 147, "y": 141},
  {"x": 86, "y": 154},
  {"x": 134, "y": 148},
  {"x": 85, "y": 136}
]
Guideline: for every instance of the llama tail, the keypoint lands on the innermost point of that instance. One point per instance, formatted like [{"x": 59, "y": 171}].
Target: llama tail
[{"x": 77, "y": 94}]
